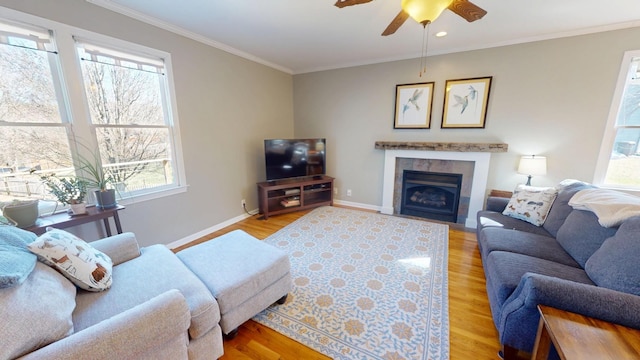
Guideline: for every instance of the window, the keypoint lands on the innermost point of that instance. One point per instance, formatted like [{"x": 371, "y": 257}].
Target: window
[
  {"x": 619, "y": 162},
  {"x": 126, "y": 97},
  {"x": 33, "y": 123},
  {"x": 126, "y": 113}
]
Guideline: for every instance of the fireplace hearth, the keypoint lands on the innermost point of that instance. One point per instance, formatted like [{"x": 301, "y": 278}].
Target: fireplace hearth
[{"x": 431, "y": 195}]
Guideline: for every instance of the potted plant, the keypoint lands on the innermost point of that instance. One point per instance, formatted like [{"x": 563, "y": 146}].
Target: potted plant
[
  {"x": 95, "y": 177},
  {"x": 68, "y": 190}
]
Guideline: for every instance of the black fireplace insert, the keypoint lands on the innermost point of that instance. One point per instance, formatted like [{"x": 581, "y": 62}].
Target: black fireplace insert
[{"x": 431, "y": 195}]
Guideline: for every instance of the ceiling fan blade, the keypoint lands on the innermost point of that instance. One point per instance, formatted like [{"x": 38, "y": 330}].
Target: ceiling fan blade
[
  {"x": 396, "y": 23},
  {"x": 468, "y": 10},
  {"x": 343, "y": 3}
]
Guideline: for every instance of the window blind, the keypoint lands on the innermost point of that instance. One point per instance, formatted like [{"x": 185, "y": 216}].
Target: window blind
[
  {"x": 26, "y": 36},
  {"x": 109, "y": 56}
]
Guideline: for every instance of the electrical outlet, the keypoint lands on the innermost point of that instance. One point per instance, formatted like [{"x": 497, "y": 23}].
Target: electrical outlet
[
  {"x": 348, "y": 192},
  {"x": 243, "y": 203},
  {"x": 335, "y": 191}
]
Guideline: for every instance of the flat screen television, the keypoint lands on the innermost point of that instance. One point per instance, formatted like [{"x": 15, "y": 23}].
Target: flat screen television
[{"x": 291, "y": 158}]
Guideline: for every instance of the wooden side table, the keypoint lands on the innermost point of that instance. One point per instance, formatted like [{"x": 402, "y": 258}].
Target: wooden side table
[
  {"x": 63, "y": 220},
  {"x": 501, "y": 193},
  {"x": 577, "y": 336}
]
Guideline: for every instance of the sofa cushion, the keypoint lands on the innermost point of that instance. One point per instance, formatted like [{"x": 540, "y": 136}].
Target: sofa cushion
[
  {"x": 520, "y": 242},
  {"x": 615, "y": 264},
  {"x": 496, "y": 219},
  {"x": 505, "y": 269},
  {"x": 36, "y": 312},
  {"x": 152, "y": 273},
  {"x": 581, "y": 235},
  {"x": 16, "y": 262},
  {"x": 78, "y": 261},
  {"x": 531, "y": 204},
  {"x": 496, "y": 203},
  {"x": 561, "y": 208}
]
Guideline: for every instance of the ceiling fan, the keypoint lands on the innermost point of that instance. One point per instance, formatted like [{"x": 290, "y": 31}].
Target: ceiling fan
[{"x": 424, "y": 11}]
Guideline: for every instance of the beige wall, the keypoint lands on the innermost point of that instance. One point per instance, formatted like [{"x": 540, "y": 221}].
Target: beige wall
[
  {"x": 547, "y": 98},
  {"x": 226, "y": 105}
]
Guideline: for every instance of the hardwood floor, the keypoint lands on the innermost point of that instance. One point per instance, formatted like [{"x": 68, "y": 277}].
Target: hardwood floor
[{"x": 472, "y": 333}]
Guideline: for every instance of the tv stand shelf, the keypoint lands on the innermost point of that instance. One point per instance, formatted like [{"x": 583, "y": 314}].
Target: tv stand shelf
[{"x": 283, "y": 196}]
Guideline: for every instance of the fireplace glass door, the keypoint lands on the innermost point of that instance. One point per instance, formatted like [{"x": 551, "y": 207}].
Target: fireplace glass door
[{"x": 431, "y": 195}]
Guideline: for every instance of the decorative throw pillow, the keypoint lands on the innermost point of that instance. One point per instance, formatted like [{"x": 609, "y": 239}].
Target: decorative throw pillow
[
  {"x": 16, "y": 262},
  {"x": 88, "y": 268},
  {"x": 531, "y": 204}
]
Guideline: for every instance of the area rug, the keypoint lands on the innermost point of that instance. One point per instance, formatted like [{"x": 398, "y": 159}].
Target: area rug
[{"x": 366, "y": 285}]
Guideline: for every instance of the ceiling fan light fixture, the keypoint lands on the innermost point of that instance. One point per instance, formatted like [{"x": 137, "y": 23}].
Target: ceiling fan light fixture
[{"x": 425, "y": 11}]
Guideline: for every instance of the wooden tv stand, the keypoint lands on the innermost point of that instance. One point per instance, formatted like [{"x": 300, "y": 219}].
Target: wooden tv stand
[{"x": 283, "y": 196}]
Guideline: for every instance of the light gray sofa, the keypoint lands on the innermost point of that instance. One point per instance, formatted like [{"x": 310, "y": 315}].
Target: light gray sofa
[
  {"x": 571, "y": 262},
  {"x": 156, "y": 308}
]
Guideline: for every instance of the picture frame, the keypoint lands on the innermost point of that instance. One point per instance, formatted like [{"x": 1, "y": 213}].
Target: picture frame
[
  {"x": 465, "y": 103},
  {"x": 413, "y": 106}
]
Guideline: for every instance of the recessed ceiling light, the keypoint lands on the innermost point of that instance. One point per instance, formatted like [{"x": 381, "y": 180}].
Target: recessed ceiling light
[{"x": 441, "y": 34}]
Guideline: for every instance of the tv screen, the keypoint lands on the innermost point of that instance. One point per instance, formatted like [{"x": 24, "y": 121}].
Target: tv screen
[{"x": 290, "y": 158}]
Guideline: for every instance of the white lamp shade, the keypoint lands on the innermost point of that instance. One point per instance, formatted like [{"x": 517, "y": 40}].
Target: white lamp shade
[{"x": 533, "y": 165}]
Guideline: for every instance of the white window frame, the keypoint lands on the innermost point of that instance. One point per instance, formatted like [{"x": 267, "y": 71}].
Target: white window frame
[
  {"x": 75, "y": 103},
  {"x": 170, "y": 109},
  {"x": 609, "y": 136}
]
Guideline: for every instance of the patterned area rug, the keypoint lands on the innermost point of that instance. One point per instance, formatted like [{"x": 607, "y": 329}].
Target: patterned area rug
[{"x": 366, "y": 286}]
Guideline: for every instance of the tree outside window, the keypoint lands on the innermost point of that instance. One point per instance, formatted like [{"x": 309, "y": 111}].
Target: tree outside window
[
  {"x": 129, "y": 127},
  {"x": 125, "y": 94},
  {"x": 33, "y": 130}
]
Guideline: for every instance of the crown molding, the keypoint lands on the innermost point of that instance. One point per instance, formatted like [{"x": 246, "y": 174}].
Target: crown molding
[{"x": 107, "y": 4}]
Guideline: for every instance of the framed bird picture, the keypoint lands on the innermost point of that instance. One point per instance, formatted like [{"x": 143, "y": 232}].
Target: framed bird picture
[
  {"x": 465, "y": 103},
  {"x": 413, "y": 106}
]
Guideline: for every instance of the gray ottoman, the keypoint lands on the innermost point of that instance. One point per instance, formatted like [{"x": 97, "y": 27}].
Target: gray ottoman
[{"x": 244, "y": 274}]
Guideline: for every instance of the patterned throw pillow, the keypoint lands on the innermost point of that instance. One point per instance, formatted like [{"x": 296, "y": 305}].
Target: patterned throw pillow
[
  {"x": 531, "y": 204},
  {"x": 88, "y": 268}
]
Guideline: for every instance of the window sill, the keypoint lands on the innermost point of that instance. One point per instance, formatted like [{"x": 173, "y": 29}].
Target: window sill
[{"x": 130, "y": 199}]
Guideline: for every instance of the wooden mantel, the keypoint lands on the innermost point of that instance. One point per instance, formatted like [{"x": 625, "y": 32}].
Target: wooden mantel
[{"x": 442, "y": 146}]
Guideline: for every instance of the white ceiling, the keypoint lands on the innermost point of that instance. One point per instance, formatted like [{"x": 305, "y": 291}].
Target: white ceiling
[{"x": 299, "y": 36}]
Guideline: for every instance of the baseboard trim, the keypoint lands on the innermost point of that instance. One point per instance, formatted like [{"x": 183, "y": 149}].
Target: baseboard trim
[
  {"x": 207, "y": 231},
  {"x": 357, "y": 205}
]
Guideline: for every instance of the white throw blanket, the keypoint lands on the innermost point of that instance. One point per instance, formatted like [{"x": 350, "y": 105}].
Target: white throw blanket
[{"x": 611, "y": 207}]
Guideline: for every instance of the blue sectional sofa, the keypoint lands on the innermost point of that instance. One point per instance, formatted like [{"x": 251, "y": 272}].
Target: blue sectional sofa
[{"x": 571, "y": 262}]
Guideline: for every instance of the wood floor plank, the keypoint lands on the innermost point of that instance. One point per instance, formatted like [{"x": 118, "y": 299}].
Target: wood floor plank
[
  {"x": 472, "y": 333},
  {"x": 258, "y": 351}
]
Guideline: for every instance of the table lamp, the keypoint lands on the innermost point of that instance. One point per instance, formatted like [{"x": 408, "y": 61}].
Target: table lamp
[{"x": 532, "y": 165}]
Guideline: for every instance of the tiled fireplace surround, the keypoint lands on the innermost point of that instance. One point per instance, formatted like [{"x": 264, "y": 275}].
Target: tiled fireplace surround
[{"x": 469, "y": 159}]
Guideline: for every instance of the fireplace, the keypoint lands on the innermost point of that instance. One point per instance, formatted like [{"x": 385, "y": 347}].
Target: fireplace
[
  {"x": 477, "y": 153},
  {"x": 431, "y": 195}
]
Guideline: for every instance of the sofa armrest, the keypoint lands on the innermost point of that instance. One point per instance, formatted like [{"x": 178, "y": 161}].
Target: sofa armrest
[
  {"x": 156, "y": 329},
  {"x": 590, "y": 300},
  {"x": 497, "y": 204},
  {"x": 120, "y": 248},
  {"x": 519, "y": 316}
]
